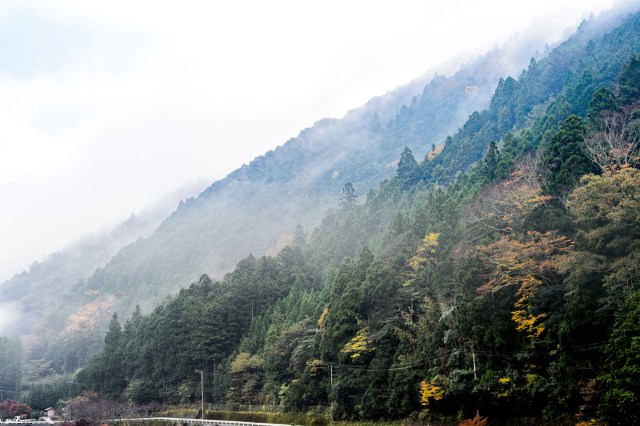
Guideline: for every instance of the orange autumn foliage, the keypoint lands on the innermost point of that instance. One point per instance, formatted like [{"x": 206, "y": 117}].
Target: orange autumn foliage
[{"x": 527, "y": 264}]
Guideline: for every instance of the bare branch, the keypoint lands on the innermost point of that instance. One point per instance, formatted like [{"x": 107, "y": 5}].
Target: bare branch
[
  {"x": 505, "y": 204},
  {"x": 613, "y": 146}
]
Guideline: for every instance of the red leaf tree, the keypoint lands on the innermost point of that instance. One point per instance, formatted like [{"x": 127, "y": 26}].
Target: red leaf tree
[{"x": 11, "y": 408}]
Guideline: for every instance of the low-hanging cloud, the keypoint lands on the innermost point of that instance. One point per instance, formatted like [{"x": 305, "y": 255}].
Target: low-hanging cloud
[
  {"x": 9, "y": 315},
  {"x": 120, "y": 102}
]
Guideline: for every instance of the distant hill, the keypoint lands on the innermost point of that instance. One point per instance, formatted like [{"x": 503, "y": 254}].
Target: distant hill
[{"x": 31, "y": 296}]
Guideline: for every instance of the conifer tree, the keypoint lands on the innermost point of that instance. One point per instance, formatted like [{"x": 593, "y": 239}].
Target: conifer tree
[
  {"x": 620, "y": 380},
  {"x": 491, "y": 160},
  {"x": 407, "y": 171},
  {"x": 563, "y": 161},
  {"x": 112, "y": 373},
  {"x": 349, "y": 196},
  {"x": 299, "y": 238},
  {"x": 629, "y": 81},
  {"x": 602, "y": 100}
]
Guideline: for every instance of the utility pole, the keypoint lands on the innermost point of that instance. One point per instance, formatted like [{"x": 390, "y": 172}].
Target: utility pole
[
  {"x": 331, "y": 375},
  {"x": 164, "y": 393},
  {"x": 201, "y": 390},
  {"x": 1, "y": 395},
  {"x": 473, "y": 356},
  {"x": 213, "y": 384},
  {"x": 331, "y": 390}
]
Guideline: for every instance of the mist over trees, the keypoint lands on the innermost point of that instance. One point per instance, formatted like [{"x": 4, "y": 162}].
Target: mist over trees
[
  {"x": 10, "y": 366},
  {"x": 254, "y": 210},
  {"x": 497, "y": 277},
  {"x": 22, "y": 296},
  {"x": 494, "y": 276}
]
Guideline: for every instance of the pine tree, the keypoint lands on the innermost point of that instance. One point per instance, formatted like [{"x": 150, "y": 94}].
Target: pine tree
[
  {"x": 602, "y": 100},
  {"x": 349, "y": 196},
  {"x": 491, "y": 160},
  {"x": 563, "y": 161},
  {"x": 299, "y": 237},
  {"x": 629, "y": 81},
  {"x": 113, "y": 382},
  {"x": 407, "y": 171}
]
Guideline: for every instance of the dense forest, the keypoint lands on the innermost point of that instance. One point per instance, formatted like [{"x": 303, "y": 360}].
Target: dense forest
[
  {"x": 497, "y": 275},
  {"x": 253, "y": 210}
]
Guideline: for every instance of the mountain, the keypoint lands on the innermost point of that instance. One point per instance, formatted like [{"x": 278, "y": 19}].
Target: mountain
[
  {"x": 31, "y": 296},
  {"x": 257, "y": 207},
  {"x": 495, "y": 277},
  {"x": 253, "y": 210}
]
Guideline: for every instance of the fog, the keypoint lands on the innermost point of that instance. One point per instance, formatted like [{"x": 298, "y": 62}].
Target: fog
[
  {"x": 9, "y": 314},
  {"x": 108, "y": 106}
]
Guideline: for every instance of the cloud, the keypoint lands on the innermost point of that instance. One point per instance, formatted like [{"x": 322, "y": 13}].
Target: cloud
[{"x": 9, "y": 314}]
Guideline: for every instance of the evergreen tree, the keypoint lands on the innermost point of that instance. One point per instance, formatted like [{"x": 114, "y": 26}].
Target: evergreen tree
[
  {"x": 603, "y": 100},
  {"x": 10, "y": 365},
  {"x": 348, "y": 199},
  {"x": 628, "y": 87},
  {"x": 620, "y": 379},
  {"x": 491, "y": 160},
  {"x": 113, "y": 382},
  {"x": 407, "y": 171},
  {"x": 299, "y": 238},
  {"x": 563, "y": 161}
]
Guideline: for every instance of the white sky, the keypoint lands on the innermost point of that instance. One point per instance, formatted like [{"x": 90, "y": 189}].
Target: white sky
[{"x": 107, "y": 105}]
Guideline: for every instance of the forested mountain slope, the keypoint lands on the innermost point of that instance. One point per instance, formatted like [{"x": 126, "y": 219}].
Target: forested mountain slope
[
  {"x": 499, "y": 276},
  {"x": 257, "y": 207}
]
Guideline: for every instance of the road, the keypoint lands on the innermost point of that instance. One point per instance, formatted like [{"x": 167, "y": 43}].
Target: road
[
  {"x": 171, "y": 420},
  {"x": 208, "y": 422}
]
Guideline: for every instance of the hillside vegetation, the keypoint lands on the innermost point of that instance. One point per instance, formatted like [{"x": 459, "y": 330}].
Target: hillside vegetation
[
  {"x": 493, "y": 275},
  {"x": 498, "y": 276},
  {"x": 253, "y": 210}
]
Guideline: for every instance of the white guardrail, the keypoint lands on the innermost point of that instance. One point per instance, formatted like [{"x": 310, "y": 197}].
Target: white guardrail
[{"x": 210, "y": 422}]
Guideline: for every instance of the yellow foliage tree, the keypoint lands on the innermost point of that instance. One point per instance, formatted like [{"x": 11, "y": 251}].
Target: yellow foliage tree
[
  {"x": 424, "y": 256},
  {"x": 429, "y": 391},
  {"x": 359, "y": 344},
  {"x": 315, "y": 366},
  {"x": 247, "y": 375},
  {"x": 527, "y": 264},
  {"x": 522, "y": 316},
  {"x": 323, "y": 317},
  {"x": 502, "y": 390}
]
